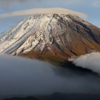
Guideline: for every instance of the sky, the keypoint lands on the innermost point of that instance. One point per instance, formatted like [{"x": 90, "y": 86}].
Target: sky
[{"x": 89, "y": 7}]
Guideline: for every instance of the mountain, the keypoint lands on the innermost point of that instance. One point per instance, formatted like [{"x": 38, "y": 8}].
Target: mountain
[{"x": 51, "y": 37}]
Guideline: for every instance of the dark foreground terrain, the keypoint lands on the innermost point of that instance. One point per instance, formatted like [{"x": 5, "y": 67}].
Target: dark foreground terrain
[{"x": 60, "y": 96}]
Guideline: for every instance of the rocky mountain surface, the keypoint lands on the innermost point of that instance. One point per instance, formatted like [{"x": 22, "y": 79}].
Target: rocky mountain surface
[{"x": 51, "y": 37}]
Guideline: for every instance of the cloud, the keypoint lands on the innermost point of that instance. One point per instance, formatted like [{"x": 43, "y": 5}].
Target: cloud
[
  {"x": 5, "y": 4},
  {"x": 20, "y": 76},
  {"x": 14, "y": 5},
  {"x": 89, "y": 61},
  {"x": 96, "y": 4},
  {"x": 39, "y": 11},
  {"x": 8, "y": 2}
]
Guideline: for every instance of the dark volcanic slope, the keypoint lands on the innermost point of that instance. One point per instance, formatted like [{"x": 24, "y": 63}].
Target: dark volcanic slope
[{"x": 51, "y": 37}]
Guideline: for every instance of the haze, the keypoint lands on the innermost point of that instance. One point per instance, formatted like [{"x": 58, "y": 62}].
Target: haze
[{"x": 20, "y": 76}]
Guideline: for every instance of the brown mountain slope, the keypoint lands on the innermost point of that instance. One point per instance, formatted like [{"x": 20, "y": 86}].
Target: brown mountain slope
[
  {"x": 53, "y": 37},
  {"x": 79, "y": 38}
]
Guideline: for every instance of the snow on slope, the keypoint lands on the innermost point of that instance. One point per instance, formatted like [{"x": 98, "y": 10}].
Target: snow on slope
[
  {"x": 15, "y": 36},
  {"x": 39, "y": 29}
]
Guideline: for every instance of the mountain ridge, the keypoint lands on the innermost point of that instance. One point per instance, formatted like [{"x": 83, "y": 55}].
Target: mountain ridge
[{"x": 51, "y": 37}]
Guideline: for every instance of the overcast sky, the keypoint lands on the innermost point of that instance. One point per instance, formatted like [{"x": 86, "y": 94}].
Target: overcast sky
[{"x": 90, "y": 7}]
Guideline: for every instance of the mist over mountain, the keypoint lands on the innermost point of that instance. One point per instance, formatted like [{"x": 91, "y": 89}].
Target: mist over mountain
[
  {"x": 89, "y": 61},
  {"x": 24, "y": 77}
]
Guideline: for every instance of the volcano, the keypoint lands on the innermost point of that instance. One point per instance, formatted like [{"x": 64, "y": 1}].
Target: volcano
[{"x": 51, "y": 37}]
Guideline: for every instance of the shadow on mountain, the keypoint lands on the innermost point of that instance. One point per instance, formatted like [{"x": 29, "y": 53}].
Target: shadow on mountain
[{"x": 78, "y": 69}]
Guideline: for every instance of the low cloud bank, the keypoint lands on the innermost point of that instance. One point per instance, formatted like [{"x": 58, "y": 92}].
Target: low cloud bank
[
  {"x": 20, "y": 76},
  {"x": 90, "y": 61}
]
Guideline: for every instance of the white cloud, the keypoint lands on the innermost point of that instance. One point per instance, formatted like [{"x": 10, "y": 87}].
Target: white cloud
[
  {"x": 89, "y": 61},
  {"x": 39, "y": 11}
]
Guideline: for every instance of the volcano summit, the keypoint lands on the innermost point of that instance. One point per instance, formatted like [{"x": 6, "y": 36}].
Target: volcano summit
[{"x": 51, "y": 37}]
